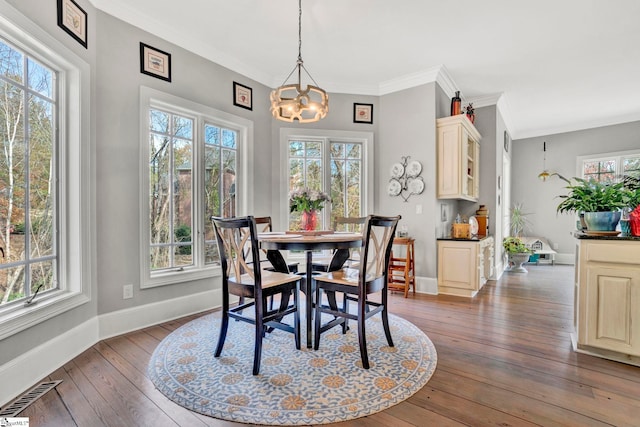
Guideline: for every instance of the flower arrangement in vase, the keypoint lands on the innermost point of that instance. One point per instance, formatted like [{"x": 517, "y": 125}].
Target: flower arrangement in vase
[
  {"x": 308, "y": 202},
  {"x": 470, "y": 112}
]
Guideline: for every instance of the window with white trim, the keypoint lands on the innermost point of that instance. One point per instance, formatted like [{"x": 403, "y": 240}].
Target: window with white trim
[
  {"x": 45, "y": 175},
  {"x": 335, "y": 162},
  {"x": 193, "y": 156},
  {"x": 610, "y": 167}
]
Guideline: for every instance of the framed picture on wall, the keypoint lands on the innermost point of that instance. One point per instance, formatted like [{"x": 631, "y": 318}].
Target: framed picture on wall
[
  {"x": 242, "y": 96},
  {"x": 362, "y": 113},
  {"x": 73, "y": 19},
  {"x": 154, "y": 62}
]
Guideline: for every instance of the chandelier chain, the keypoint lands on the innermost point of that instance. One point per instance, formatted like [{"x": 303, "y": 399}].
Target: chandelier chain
[{"x": 300, "y": 30}]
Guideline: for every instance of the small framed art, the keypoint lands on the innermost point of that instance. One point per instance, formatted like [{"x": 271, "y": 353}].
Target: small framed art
[
  {"x": 362, "y": 113},
  {"x": 73, "y": 19},
  {"x": 154, "y": 62},
  {"x": 242, "y": 96}
]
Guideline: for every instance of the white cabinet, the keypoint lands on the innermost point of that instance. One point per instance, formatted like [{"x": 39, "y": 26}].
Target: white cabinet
[
  {"x": 464, "y": 266},
  {"x": 458, "y": 158},
  {"x": 608, "y": 299}
]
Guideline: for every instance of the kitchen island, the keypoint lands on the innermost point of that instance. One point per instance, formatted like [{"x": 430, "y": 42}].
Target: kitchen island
[{"x": 607, "y": 297}]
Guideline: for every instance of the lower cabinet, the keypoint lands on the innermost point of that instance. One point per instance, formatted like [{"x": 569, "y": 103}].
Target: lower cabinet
[
  {"x": 464, "y": 266},
  {"x": 608, "y": 299}
]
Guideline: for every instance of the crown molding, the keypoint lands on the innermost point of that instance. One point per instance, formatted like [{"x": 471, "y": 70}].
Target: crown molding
[
  {"x": 485, "y": 100},
  {"x": 446, "y": 82},
  {"x": 409, "y": 81},
  {"x": 577, "y": 126}
]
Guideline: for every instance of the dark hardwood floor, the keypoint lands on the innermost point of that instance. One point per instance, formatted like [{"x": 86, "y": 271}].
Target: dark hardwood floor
[{"x": 504, "y": 359}]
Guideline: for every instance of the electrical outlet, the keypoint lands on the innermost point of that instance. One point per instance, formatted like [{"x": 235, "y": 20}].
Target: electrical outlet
[
  {"x": 555, "y": 246},
  {"x": 418, "y": 209},
  {"x": 127, "y": 291}
]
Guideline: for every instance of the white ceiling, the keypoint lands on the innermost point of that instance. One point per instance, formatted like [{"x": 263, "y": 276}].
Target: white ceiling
[{"x": 559, "y": 65}]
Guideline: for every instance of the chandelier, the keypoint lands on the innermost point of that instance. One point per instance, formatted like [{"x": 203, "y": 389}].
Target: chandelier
[{"x": 290, "y": 102}]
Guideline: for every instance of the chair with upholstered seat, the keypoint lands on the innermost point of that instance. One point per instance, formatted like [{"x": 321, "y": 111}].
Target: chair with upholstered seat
[
  {"x": 242, "y": 277},
  {"x": 357, "y": 284}
]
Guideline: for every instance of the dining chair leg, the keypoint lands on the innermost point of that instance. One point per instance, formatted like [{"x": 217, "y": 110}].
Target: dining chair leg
[
  {"x": 224, "y": 325},
  {"x": 316, "y": 329},
  {"x": 345, "y": 309},
  {"x": 257, "y": 353},
  {"x": 296, "y": 315},
  {"x": 223, "y": 332},
  {"x": 385, "y": 319},
  {"x": 362, "y": 338}
]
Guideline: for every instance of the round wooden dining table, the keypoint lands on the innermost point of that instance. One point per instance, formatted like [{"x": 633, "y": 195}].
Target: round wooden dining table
[{"x": 294, "y": 241}]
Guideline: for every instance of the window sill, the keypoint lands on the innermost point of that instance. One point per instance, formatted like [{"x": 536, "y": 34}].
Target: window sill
[
  {"x": 174, "y": 277},
  {"x": 19, "y": 318}
]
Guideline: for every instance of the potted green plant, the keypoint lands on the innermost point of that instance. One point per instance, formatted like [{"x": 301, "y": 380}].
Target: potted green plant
[
  {"x": 517, "y": 252},
  {"x": 519, "y": 220},
  {"x": 600, "y": 202}
]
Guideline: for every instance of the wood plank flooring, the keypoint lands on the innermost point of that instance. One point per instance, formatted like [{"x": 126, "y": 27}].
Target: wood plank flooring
[{"x": 504, "y": 359}]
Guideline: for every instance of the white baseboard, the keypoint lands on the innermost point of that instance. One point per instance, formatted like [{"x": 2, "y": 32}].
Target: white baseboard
[
  {"x": 569, "y": 259},
  {"x": 427, "y": 285},
  {"x": 134, "y": 318},
  {"x": 23, "y": 372}
]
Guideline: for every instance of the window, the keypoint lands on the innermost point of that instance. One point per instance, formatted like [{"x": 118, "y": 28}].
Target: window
[
  {"x": 45, "y": 175},
  {"x": 330, "y": 161},
  {"x": 192, "y": 157},
  {"x": 610, "y": 167},
  {"x": 28, "y": 176}
]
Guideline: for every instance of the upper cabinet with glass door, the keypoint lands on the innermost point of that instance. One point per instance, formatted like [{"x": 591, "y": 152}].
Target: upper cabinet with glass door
[{"x": 458, "y": 159}]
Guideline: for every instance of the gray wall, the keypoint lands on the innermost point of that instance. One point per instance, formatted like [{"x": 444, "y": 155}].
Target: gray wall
[
  {"x": 540, "y": 198},
  {"x": 408, "y": 129},
  {"x": 118, "y": 150},
  {"x": 44, "y": 14}
]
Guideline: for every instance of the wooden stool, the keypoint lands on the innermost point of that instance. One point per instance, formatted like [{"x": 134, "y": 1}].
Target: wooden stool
[{"x": 402, "y": 269}]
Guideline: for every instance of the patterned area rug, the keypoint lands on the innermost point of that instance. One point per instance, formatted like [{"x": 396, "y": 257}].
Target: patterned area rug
[{"x": 295, "y": 387}]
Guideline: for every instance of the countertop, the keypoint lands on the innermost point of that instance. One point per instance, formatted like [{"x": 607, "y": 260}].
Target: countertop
[
  {"x": 472, "y": 239},
  {"x": 581, "y": 235}
]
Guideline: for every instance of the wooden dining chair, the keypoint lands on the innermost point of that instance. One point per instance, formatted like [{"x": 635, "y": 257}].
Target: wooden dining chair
[
  {"x": 341, "y": 256},
  {"x": 357, "y": 284},
  {"x": 241, "y": 276}
]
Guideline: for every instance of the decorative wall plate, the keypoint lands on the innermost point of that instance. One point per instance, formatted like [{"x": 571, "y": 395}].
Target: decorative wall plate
[
  {"x": 397, "y": 170},
  {"x": 414, "y": 168},
  {"x": 416, "y": 186},
  {"x": 394, "y": 188},
  {"x": 473, "y": 225}
]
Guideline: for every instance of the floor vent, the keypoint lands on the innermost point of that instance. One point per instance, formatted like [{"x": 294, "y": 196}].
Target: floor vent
[{"x": 21, "y": 403}]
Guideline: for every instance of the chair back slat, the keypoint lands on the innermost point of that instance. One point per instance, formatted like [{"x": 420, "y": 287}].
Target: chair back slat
[
  {"x": 377, "y": 246},
  {"x": 238, "y": 246}
]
